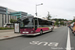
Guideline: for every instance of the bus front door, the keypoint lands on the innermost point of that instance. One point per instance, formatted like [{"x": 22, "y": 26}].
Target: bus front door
[{"x": 36, "y": 23}]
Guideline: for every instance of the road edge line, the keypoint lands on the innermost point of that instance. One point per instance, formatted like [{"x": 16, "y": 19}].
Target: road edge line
[{"x": 68, "y": 46}]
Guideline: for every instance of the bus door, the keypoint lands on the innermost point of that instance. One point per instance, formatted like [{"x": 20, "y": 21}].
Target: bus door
[{"x": 36, "y": 23}]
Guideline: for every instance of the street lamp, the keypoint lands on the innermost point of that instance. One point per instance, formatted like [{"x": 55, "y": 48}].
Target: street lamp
[{"x": 36, "y": 8}]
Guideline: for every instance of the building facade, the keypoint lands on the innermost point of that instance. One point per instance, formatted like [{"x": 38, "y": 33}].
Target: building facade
[
  {"x": 5, "y": 17},
  {"x": 18, "y": 14},
  {"x": 6, "y": 14}
]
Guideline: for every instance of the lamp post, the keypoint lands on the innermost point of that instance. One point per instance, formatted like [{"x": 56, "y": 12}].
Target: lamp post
[{"x": 36, "y": 8}]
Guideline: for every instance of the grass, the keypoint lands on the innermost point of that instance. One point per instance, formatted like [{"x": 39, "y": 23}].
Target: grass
[{"x": 6, "y": 28}]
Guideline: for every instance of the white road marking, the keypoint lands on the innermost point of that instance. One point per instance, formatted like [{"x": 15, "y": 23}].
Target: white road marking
[
  {"x": 34, "y": 42},
  {"x": 45, "y": 43},
  {"x": 55, "y": 44},
  {"x": 68, "y": 46},
  {"x": 39, "y": 43},
  {"x": 50, "y": 44}
]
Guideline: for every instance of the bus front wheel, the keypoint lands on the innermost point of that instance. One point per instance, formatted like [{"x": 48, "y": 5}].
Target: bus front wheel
[
  {"x": 52, "y": 30},
  {"x": 41, "y": 32}
]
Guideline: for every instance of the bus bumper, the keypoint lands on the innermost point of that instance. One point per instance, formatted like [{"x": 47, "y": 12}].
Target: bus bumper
[{"x": 31, "y": 34}]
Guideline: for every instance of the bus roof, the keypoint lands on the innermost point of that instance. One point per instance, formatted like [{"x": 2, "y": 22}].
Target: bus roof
[
  {"x": 22, "y": 18},
  {"x": 44, "y": 19}
]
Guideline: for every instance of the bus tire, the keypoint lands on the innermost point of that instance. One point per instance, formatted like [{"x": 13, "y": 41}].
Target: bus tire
[
  {"x": 41, "y": 32},
  {"x": 51, "y": 29}
]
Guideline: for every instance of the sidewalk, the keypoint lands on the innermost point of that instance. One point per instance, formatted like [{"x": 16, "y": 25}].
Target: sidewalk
[
  {"x": 7, "y": 34},
  {"x": 6, "y": 30},
  {"x": 55, "y": 27}
]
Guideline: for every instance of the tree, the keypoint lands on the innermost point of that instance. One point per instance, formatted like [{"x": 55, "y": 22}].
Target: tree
[
  {"x": 56, "y": 23},
  {"x": 12, "y": 20},
  {"x": 61, "y": 19},
  {"x": 73, "y": 20},
  {"x": 48, "y": 16},
  {"x": 62, "y": 23},
  {"x": 65, "y": 20}
]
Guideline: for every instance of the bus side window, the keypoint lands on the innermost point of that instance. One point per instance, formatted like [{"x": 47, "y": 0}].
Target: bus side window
[
  {"x": 40, "y": 26},
  {"x": 36, "y": 23}
]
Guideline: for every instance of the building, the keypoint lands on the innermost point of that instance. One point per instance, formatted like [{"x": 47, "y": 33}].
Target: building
[
  {"x": 4, "y": 16},
  {"x": 18, "y": 14}
]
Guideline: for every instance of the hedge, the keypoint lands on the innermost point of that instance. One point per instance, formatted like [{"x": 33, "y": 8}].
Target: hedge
[{"x": 6, "y": 28}]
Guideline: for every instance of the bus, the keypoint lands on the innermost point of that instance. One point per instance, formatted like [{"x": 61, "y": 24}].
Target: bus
[{"x": 34, "y": 26}]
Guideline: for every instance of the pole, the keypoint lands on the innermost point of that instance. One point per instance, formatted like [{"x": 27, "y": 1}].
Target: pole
[{"x": 36, "y": 10}]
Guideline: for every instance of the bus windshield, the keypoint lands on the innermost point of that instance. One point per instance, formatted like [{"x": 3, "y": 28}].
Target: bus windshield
[{"x": 27, "y": 23}]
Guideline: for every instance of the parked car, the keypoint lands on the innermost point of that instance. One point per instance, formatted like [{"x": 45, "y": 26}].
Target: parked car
[{"x": 8, "y": 25}]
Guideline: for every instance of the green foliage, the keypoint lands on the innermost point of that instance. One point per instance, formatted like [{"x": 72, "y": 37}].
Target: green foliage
[
  {"x": 62, "y": 23},
  {"x": 18, "y": 18},
  {"x": 73, "y": 20},
  {"x": 65, "y": 20},
  {"x": 12, "y": 20},
  {"x": 56, "y": 23},
  {"x": 2, "y": 28},
  {"x": 60, "y": 19}
]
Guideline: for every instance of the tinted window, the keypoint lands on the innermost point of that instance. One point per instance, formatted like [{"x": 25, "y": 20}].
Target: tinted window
[{"x": 28, "y": 22}]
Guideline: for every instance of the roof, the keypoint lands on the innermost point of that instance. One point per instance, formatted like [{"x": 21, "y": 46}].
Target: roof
[{"x": 22, "y": 18}]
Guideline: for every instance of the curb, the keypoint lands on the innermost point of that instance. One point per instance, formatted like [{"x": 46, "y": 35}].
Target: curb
[{"x": 10, "y": 37}]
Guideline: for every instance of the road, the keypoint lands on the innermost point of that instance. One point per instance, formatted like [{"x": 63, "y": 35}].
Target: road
[{"x": 56, "y": 40}]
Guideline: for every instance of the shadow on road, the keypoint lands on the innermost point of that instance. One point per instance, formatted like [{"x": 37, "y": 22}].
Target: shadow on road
[{"x": 36, "y": 35}]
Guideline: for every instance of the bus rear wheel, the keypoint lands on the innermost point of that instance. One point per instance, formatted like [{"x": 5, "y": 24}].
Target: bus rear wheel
[
  {"x": 41, "y": 32},
  {"x": 51, "y": 29}
]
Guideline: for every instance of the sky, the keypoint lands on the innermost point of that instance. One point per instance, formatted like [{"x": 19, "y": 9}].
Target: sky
[{"x": 57, "y": 8}]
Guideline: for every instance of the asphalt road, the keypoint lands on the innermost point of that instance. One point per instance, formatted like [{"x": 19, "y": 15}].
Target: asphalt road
[{"x": 56, "y": 40}]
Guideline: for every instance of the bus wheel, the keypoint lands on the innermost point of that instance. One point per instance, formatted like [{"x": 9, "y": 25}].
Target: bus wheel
[
  {"x": 51, "y": 29},
  {"x": 41, "y": 32}
]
